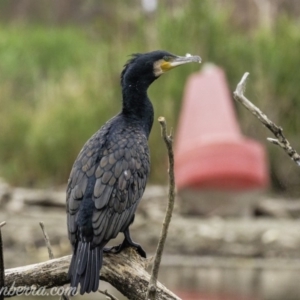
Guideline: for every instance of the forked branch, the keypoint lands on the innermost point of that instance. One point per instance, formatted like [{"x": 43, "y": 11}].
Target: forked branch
[{"x": 280, "y": 140}]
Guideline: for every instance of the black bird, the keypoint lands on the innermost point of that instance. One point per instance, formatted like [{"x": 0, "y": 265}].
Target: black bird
[{"x": 109, "y": 176}]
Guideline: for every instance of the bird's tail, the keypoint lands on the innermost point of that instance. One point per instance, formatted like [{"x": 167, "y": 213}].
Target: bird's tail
[{"x": 85, "y": 267}]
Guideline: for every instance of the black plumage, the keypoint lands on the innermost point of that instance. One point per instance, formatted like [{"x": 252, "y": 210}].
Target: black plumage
[{"x": 109, "y": 176}]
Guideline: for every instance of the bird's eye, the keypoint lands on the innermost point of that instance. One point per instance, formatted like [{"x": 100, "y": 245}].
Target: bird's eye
[{"x": 166, "y": 58}]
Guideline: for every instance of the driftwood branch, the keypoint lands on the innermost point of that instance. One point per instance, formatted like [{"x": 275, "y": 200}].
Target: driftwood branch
[
  {"x": 280, "y": 140},
  {"x": 125, "y": 271},
  {"x": 152, "y": 289}
]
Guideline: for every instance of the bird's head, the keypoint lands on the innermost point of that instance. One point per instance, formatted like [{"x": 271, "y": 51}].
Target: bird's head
[{"x": 147, "y": 67}]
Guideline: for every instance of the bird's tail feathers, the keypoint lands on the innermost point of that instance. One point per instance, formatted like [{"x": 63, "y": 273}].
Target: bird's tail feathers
[{"x": 85, "y": 268}]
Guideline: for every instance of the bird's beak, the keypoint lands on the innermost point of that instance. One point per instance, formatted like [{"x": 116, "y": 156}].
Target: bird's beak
[{"x": 179, "y": 60}]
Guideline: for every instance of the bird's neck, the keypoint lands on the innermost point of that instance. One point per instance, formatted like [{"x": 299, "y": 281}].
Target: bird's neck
[{"x": 137, "y": 106}]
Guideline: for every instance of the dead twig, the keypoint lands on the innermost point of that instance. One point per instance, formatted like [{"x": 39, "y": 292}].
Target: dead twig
[
  {"x": 47, "y": 240},
  {"x": 168, "y": 139},
  {"x": 280, "y": 140},
  {"x": 2, "y": 269},
  {"x": 50, "y": 252},
  {"x": 109, "y": 296}
]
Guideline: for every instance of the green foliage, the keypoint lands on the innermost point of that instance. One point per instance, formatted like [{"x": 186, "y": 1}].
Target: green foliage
[
  {"x": 59, "y": 85},
  {"x": 50, "y": 91}
]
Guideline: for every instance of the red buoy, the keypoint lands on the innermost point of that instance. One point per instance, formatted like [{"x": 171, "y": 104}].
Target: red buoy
[{"x": 210, "y": 151}]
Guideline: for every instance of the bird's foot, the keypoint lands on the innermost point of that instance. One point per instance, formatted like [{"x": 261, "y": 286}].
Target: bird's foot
[
  {"x": 140, "y": 250},
  {"x": 114, "y": 249},
  {"x": 108, "y": 249},
  {"x": 125, "y": 244}
]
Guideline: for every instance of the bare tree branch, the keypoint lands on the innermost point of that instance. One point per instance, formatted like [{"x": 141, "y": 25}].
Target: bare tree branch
[
  {"x": 47, "y": 240},
  {"x": 276, "y": 130},
  {"x": 2, "y": 269},
  {"x": 50, "y": 252},
  {"x": 152, "y": 289},
  {"x": 125, "y": 271}
]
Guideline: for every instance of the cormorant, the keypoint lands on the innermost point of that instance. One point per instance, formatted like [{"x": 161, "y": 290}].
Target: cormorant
[{"x": 109, "y": 176}]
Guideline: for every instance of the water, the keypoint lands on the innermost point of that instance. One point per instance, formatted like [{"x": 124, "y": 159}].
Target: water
[
  {"x": 233, "y": 284},
  {"x": 233, "y": 278}
]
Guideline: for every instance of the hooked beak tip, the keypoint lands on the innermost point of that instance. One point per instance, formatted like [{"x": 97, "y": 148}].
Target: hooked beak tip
[
  {"x": 188, "y": 58},
  {"x": 194, "y": 58}
]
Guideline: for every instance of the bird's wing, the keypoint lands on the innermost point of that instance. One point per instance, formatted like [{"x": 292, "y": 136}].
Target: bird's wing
[
  {"x": 118, "y": 178},
  {"x": 81, "y": 174},
  {"x": 121, "y": 177}
]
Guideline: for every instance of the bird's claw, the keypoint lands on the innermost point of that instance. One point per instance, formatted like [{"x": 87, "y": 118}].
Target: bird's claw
[
  {"x": 114, "y": 249},
  {"x": 119, "y": 248},
  {"x": 141, "y": 251}
]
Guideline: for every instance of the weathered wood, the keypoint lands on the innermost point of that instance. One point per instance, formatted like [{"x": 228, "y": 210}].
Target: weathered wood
[
  {"x": 15, "y": 199},
  {"x": 19, "y": 197},
  {"x": 125, "y": 271},
  {"x": 278, "y": 208},
  {"x": 280, "y": 140}
]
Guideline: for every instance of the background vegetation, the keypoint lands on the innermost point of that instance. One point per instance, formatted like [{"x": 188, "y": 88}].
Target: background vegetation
[{"x": 60, "y": 66}]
